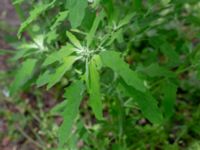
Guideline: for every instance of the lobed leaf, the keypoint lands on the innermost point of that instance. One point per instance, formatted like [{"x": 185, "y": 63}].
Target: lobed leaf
[
  {"x": 74, "y": 96},
  {"x": 94, "y": 90},
  {"x": 23, "y": 75},
  {"x": 169, "y": 90},
  {"x": 76, "y": 11},
  {"x": 51, "y": 78},
  {"x": 146, "y": 102},
  {"x": 59, "y": 55},
  {"x": 113, "y": 60},
  {"x": 60, "y": 18},
  {"x": 155, "y": 70},
  {"x": 34, "y": 14}
]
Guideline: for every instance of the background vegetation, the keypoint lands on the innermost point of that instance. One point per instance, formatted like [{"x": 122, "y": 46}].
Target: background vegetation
[{"x": 104, "y": 74}]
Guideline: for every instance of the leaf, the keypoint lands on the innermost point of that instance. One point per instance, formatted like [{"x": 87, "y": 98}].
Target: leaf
[
  {"x": 59, "y": 108},
  {"x": 74, "y": 96},
  {"x": 154, "y": 70},
  {"x": 112, "y": 60},
  {"x": 126, "y": 20},
  {"x": 110, "y": 10},
  {"x": 169, "y": 90},
  {"x": 74, "y": 40},
  {"x": 195, "y": 20},
  {"x": 137, "y": 5},
  {"x": 23, "y": 75},
  {"x": 95, "y": 25},
  {"x": 34, "y": 14},
  {"x": 43, "y": 79},
  {"x": 60, "y": 18},
  {"x": 53, "y": 77},
  {"x": 59, "y": 72},
  {"x": 76, "y": 11},
  {"x": 5, "y": 51},
  {"x": 59, "y": 55},
  {"x": 146, "y": 102},
  {"x": 94, "y": 90},
  {"x": 51, "y": 36},
  {"x": 15, "y": 2},
  {"x": 170, "y": 53},
  {"x": 115, "y": 35}
]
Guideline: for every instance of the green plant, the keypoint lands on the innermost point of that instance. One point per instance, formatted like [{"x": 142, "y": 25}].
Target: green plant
[{"x": 115, "y": 55}]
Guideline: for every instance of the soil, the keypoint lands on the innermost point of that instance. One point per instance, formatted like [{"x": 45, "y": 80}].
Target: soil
[
  {"x": 8, "y": 18},
  {"x": 7, "y": 13}
]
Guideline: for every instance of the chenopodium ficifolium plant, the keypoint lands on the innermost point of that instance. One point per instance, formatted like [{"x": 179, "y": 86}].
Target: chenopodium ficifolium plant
[{"x": 81, "y": 41}]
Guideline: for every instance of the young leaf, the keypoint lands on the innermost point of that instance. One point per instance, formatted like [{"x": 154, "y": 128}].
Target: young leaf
[
  {"x": 59, "y": 72},
  {"x": 53, "y": 77},
  {"x": 112, "y": 60},
  {"x": 95, "y": 25},
  {"x": 60, "y": 18},
  {"x": 74, "y": 40},
  {"x": 51, "y": 36},
  {"x": 146, "y": 102},
  {"x": 94, "y": 90},
  {"x": 169, "y": 90},
  {"x": 23, "y": 75},
  {"x": 126, "y": 20},
  {"x": 59, "y": 55},
  {"x": 74, "y": 96}
]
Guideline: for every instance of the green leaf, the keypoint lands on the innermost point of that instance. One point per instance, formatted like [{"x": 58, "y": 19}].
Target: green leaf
[
  {"x": 154, "y": 70},
  {"x": 34, "y": 14},
  {"x": 74, "y": 96},
  {"x": 51, "y": 36},
  {"x": 193, "y": 19},
  {"x": 115, "y": 35},
  {"x": 76, "y": 11},
  {"x": 23, "y": 75},
  {"x": 137, "y": 5},
  {"x": 169, "y": 90},
  {"x": 111, "y": 12},
  {"x": 55, "y": 76},
  {"x": 60, "y": 18},
  {"x": 22, "y": 53},
  {"x": 113, "y": 60},
  {"x": 59, "y": 108},
  {"x": 59, "y": 55},
  {"x": 170, "y": 53},
  {"x": 91, "y": 34},
  {"x": 126, "y": 20},
  {"x": 15, "y": 2},
  {"x": 74, "y": 40},
  {"x": 5, "y": 51},
  {"x": 94, "y": 90},
  {"x": 43, "y": 78},
  {"x": 146, "y": 102}
]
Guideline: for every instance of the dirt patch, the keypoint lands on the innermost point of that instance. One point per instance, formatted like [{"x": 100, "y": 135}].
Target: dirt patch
[
  {"x": 8, "y": 21},
  {"x": 7, "y": 13}
]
